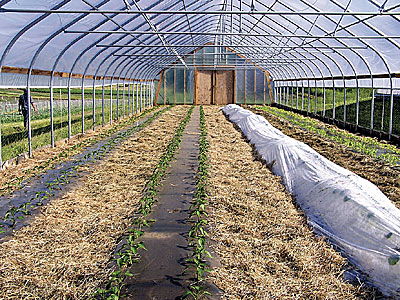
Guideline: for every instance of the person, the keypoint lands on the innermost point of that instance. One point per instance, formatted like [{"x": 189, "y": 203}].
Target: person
[{"x": 23, "y": 106}]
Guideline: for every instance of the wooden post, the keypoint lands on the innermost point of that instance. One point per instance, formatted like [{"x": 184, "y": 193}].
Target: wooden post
[
  {"x": 269, "y": 88},
  {"x": 165, "y": 90},
  {"x": 234, "y": 86},
  {"x": 264, "y": 86},
  {"x": 255, "y": 80},
  {"x": 159, "y": 87},
  {"x": 245, "y": 73},
  {"x": 174, "y": 83}
]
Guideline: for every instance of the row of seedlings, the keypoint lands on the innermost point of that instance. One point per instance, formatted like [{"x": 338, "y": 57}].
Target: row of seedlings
[
  {"x": 197, "y": 235},
  {"x": 128, "y": 252},
  {"x": 366, "y": 145},
  {"x": 17, "y": 181},
  {"x": 16, "y": 213}
]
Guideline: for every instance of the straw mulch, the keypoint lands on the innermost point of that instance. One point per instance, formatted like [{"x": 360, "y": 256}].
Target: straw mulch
[
  {"x": 385, "y": 177},
  {"x": 43, "y": 154},
  {"x": 265, "y": 248},
  {"x": 64, "y": 252}
]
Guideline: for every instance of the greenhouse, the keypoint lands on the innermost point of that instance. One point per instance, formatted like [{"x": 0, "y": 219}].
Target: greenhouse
[{"x": 179, "y": 149}]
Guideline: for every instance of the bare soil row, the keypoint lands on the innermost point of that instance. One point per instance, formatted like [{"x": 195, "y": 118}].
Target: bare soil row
[
  {"x": 265, "y": 247},
  {"x": 65, "y": 252}
]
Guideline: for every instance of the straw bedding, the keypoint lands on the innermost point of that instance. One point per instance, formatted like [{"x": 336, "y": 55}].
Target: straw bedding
[
  {"x": 265, "y": 248},
  {"x": 42, "y": 155},
  {"x": 64, "y": 252},
  {"x": 384, "y": 176}
]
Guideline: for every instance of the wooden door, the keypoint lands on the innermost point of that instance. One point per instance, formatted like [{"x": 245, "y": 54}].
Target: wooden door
[
  {"x": 224, "y": 87},
  {"x": 203, "y": 87}
]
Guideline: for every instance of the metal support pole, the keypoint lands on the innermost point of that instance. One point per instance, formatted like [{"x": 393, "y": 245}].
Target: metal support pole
[
  {"x": 69, "y": 110},
  {"x": 297, "y": 96},
  {"x": 118, "y": 99},
  {"x": 292, "y": 94},
  {"x": 51, "y": 115},
  {"x": 94, "y": 104},
  {"x": 29, "y": 121},
  {"x": 123, "y": 98},
  {"x": 129, "y": 98},
  {"x": 137, "y": 89},
  {"x": 302, "y": 96},
  {"x": 372, "y": 106},
  {"x": 309, "y": 98},
  {"x": 357, "y": 104},
  {"x": 111, "y": 99},
  {"x": 324, "y": 99},
  {"x": 316, "y": 98},
  {"x": 102, "y": 105},
  {"x": 344, "y": 104},
  {"x": 83, "y": 104},
  {"x": 334, "y": 103}
]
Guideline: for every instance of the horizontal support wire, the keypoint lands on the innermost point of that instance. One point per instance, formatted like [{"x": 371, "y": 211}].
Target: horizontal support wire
[{"x": 214, "y": 12}]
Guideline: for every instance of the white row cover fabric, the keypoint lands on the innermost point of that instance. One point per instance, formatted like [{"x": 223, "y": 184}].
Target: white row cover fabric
[{"x": 351, "y": 211}]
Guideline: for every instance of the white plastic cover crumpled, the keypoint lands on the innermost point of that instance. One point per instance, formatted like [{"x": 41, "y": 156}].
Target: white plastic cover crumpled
[{"x": 351, "y": 211}]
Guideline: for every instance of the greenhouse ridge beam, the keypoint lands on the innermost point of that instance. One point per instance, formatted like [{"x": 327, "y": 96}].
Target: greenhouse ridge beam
[
  {"x": 213, "y": 12},
  {"x": 237, "y": 33},
  {"x": 233, "y": 46}
]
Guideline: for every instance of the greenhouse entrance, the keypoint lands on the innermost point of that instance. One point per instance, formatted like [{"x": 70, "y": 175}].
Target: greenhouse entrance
[{"x": 214, "y": 87}]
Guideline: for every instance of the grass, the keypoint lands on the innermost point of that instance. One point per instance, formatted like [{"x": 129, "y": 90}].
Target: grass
[
  {"x": 348, "y": 112},
  {"x": 14, "y": 136}
]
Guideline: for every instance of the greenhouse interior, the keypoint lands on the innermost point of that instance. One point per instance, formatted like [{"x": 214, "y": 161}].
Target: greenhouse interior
[{"x": 181, "y": 149}]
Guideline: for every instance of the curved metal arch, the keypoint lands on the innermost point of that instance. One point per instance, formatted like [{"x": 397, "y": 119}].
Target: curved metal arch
[
  {"x": 26, "y": 28},
  {"x": 116, "y": 58},
  {"x": 298, "y": 53},
  {"x": 123, "y": 36}
]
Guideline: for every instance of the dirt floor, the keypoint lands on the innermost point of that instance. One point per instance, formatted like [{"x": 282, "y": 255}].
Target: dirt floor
[
  {"x": 266, "y": 249},
  {"x": 385, "y": 177},
  {"x": 65, "y": 251}
]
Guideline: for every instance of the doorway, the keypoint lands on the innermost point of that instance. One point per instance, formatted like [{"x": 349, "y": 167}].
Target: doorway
[{"x": 214, "y": 87}]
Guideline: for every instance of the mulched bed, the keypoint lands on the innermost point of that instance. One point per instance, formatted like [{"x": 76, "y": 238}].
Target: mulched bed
[
  {"x": 383, "y": 175},
  {"x": 265, "y": 247},
  {"x": 65, "y": 251}
]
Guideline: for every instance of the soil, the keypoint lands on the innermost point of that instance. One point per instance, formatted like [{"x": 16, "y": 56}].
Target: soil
[
  {"x": 159, "y": 273},
  {"x": 383, "y": 175},
  {"x": 266, "y": 248},
  {"x": 64, "y": 253}
]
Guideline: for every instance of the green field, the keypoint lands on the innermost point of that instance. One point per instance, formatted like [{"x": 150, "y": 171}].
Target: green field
[{"x": 381, "y": 108}]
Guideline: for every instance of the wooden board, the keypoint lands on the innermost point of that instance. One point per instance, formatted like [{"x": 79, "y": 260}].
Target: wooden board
[
  {"x": 224, "y": 87},
  {"x": 203, "y": 87}
]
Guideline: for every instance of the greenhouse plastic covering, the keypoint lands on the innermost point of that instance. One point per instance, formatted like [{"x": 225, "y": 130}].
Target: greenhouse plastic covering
[
  {"x": 351, "y": 211},
  {"x": 299, "y": 38}
]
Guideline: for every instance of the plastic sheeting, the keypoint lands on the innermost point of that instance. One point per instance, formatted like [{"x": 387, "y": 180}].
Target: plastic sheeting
[{"x": 351, "y": 211}]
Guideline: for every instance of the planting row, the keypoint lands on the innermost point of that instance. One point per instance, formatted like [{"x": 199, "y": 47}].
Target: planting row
[
  {"x": 42, "y": 162},
  {"x": 128, "y": 252},
  {"x": 366, "y": 145},
  {"x": 265, "y": 247},
  {"x": 385, "y": 176},
  {"x": 67, "y": 251},
  {"x": 19, "y": 212}
]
